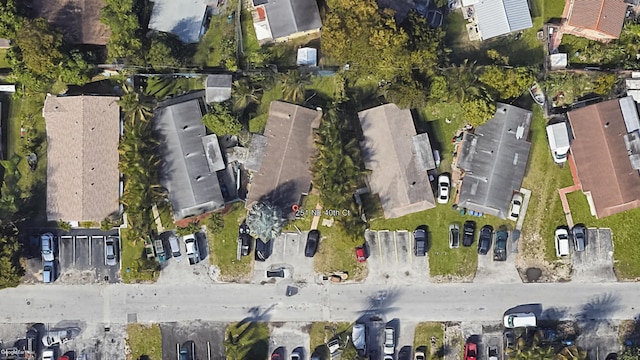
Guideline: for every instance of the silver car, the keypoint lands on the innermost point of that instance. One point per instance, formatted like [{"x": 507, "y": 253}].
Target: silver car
[
  {"x": 110, "y": 255},
  {"x": 47, "y": 247}
]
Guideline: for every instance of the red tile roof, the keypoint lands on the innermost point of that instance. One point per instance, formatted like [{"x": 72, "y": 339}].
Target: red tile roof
[{"x": 606, "y": 16}]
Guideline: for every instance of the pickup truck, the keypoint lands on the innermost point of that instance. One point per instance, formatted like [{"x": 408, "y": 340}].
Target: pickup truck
[{"x": 193, "y": 253}]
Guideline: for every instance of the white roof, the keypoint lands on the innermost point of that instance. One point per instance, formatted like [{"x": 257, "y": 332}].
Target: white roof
[
  {"x": 558, "y": 61},
  {"x": 500, "y": 17},
  {"x": 629, "y": 114},
  {"x": 8, "y": 88},
  {"x": 263, "y": 31},
  {"x": 635, "y": 94},
  {"x": 307, "y": 57},
  {"x": 469, "y": 2},
  {"x": 632, "y": 83},
  {"x": 182, "y": 18}
]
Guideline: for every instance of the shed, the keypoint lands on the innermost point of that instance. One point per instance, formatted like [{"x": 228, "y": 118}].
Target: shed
[
  {"x": 307, "y": 57},
  {"x": 218, "y": 87}
]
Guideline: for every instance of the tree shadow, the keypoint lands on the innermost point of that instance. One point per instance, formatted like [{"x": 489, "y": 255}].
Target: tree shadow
[
  {"x": 379, "y": 304},
  {"x": 597, "y": 311}
]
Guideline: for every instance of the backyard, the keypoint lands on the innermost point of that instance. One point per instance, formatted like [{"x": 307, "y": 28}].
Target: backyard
[
  {"x": 144, "y": 341},
  {"x": 218, "y": 43}
]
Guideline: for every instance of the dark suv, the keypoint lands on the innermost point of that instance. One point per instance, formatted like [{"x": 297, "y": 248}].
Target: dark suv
[
  {"x": 469, "y": 232},
  {"x": 420, "y": 242},
  {"x": 484, "y": 241},
  {"x": 500, "y": 247}
]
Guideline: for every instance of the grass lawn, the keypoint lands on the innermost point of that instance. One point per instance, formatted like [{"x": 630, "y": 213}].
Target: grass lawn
[
  {"x": 336, "y": 252},
  {"x": 259, "y": 119},
  {"x": 249, "y": 39},
  {"x": 164, "y": 87},
  {"x": 144, "y": 340},
  {"x": 623, "y": 226},
  {"x": 252, "y": 341},
  {"x": 224, "y": 247},
  {"x": 424, "y": 333},
  {"x": 321, "y": 332},
  {"x": 211, "y": 51},
  {"x": 132, "y": 256},
  {"x": 543, "y": 177},
  {"x": 4, "y": 63},
  {"x": 303, "y": 223},
  {"x": 164, "y": 209}
]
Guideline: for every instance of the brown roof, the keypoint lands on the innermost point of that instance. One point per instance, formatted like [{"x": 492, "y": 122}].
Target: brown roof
[
  {"x": 285, "y": 171},
  {"x": 79, "y": 20},
  {"x": 601, "y": 158},
  {"x": 82, "y": 157},
  {"x": 606, "y": 16}
]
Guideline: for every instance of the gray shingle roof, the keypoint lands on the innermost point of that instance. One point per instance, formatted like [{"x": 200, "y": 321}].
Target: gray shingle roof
[
  {"x": 288, "y": 17},
  {"x": 285, "y": 173},
  {"x": 82, "y": 157},
  {"x": 500, "y": 17},
  {"x": 193, "y": 187},
  {"x": 494, "y": 160},
  {"x": 182, "y": 18},
  {"x": 388, "y": 151},
  {"x": 218, "y": 87}
]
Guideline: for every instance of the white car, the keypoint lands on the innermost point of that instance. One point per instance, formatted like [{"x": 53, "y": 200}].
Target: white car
[
  {"x": 389, "y": 341},
  {"x": 48, "y": 355},
  {"x": 443, "y": 189},
  {"x": 193, "y": 253},
  {"x": 47, "y": 246},
  {"x": 562, "y": 242},
  {"x": 516, "y": 205}
]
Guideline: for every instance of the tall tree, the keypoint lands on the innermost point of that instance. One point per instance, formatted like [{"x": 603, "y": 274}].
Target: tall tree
[
  {"x": 39, "y": 47},
  {"x": 220, "y": 121},
  {"x": 506, "y": 83},
  {"x": 244, "y": 94},
  {"x": 293, "y": 85},
  {"x": 265, "y": 220}
]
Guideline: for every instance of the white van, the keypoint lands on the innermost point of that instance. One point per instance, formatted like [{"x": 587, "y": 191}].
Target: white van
[
  {"x": 558, "y": 136},
  {"x": 358, "y": 336},
  {"x": 175, "y": 247},
  {"x": 519, "y": 320}
]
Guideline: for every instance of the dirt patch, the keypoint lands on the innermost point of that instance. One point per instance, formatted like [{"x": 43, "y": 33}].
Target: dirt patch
[
  {"x": 531, "y": 255},
  {"x": 439, "y": 279}
]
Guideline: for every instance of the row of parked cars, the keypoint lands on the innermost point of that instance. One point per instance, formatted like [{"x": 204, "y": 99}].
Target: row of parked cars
[
  {"x": 467, "y": 236},
  {"x": 263, "y": 248},
  {"x": 563, "y": 238}
]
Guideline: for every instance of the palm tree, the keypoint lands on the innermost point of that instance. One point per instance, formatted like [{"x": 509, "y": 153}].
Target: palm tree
[
  {"x": 134, "y": 106},
  {"x": 293, "y": 85},
  {"x": 463, "y": 82},
  {"x": 265, "y": 220},
  {"x": 244, "y": 94},
  {"x": 572, "y": 353}
]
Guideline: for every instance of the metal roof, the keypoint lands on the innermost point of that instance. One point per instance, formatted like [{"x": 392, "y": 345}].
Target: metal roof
[
  {"x": 629, "y": 113},
  {"x": 287, "y": 17},
  {"x": 632, "y": 143},
  {"x": 182, "y": 18},
  {"x": 218, "y": 87},
  {"x": 388, "y": 151},
  {"x": 494, "y": 159},
  {"x": 185, "y": 170},
  {"x": 423, "y": 152},
  {"x": 500, "y": 17},
  {"x": 307, "y": 56}
]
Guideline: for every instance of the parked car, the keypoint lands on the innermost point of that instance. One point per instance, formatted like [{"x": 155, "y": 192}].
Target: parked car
[
  {"x": 58, "y": 336},
  {"x": 579, "y": 233},
  {"x": 295, "y": 355},
  {"x": 361, "y": 254},
  {"x": 280, "y": 272},
  {"x": 500, "y": 247},
  {"x": 48, "y": 272},
  {"x": 110, "y": 253},
  {"x": 420, "y": 242},
  {"x": 562, "y": 242},
  {"x": 188, "y": 351},
  {"x": 48, "y": 355},
  {"x": 389, "y": 341},
  {"x": 516, "y": 205},
  {"x": 262, "y": 250},
  {"x": 244, "y": 238},
  {"x": 420, "y": 356},
  {"x": 175, "y": 247},
  {"x": 443, "y": 189},
  {"x": 276, "y": 356},
  {"x": 359, "y": 339},
  {"x": 492, "y": 353},
  {"x": 334, "y": 346},
  {"x": 518, "y": 320},
  {"x": 454, "y": 236},
  {"x": 469, "y": 232},
  {"x": 47, "y": 246},
  {"x": 193, "y": 252},
  {"x": 313, "y": 238},
  {"x": 470, "y": 351},
  {"x": 484, "y": 241}
]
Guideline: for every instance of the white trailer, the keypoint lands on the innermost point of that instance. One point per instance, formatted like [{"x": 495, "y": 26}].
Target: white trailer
[{"x": 558, "y": 136}]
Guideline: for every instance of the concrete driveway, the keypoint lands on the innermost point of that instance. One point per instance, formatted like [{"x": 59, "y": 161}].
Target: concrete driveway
[
  {"x": 504, "y": 272},
  {"x": 205, "y": 338},
  {"x": 82, "y": 258},
  {"x": 289, "y": 337},
  {"x": 595, "y": 263},
  {"x": 181, "y": 271},
  {"x": 287, "y": 251},
  {"x": 391, "y": 259}
]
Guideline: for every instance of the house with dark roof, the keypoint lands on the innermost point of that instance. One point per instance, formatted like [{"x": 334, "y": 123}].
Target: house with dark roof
[
  {"x": 281, "y": 20},
  {"x": 606, "y": 152},
  {"x": 493, "y": 160},
  {"x": 78, "y": 20},
  {"x": 83, "y": 180},
  {"x": 398, "y": 159},
  {"x": 499, "y": 17},
  {"x": 282, "y": 172},
  {"x": 599, "y": 20},
  {"x": 186, "y": 18},
  {"x": 218, "y": 87},
  {"x": 192, "y": 163}
]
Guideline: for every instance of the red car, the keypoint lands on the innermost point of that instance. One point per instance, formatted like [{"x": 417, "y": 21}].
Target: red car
[
  {"x": 361, "y": 254},
  {"x": 470, "y": 351}
]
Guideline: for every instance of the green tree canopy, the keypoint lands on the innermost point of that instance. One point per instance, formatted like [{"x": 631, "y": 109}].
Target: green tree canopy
[
  {"x": 164, "y": 50},
  {"x": 293, "y": 85},
  {"x": 477, "y": 111},
  {"x": 39, "y": 47},
  {"x": 265, "y": 221},
  {"x": 123, "y": 21},
  {"x": 220, "y": 121},
  {"x": 506, "y": 83}
]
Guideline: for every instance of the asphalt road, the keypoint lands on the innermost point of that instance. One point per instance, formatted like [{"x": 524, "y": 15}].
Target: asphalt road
[{"x": 233, "y": 302}]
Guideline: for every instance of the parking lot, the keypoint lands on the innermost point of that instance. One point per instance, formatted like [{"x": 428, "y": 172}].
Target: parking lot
[
  {"x": 502, "y": 272},
  {"x": 181, "y": 271},
  {"x": 288, "y": 337},
  {"x": 204, "y": 338},
  {"x": 595, "y": 263},
  {"x": 391, "y": 258},
  {"x": 287, "y": 250}
]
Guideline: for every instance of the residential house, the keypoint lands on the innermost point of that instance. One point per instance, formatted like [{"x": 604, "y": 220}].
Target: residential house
[
  {"x": 493, "y": 159},
  {"x": 283, "y": 172},
  {"x": 281, "y": 20},
  {"x": 499, "y": 17},
  {"x": 606, "y": 151},
  {"x": 83, "y": 180},
  {"x": 187, "y": 19},
  {"x": 398, "y": 159},
  {"x": 192, "y": 163},
  {"x": 218, "y": 87},
  {"x": 599, "y": 20},
  {"x": 78, "y": 20}
]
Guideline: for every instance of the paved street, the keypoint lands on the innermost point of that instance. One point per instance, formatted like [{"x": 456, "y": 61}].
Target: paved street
[{"x": 231, "y": 302}]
